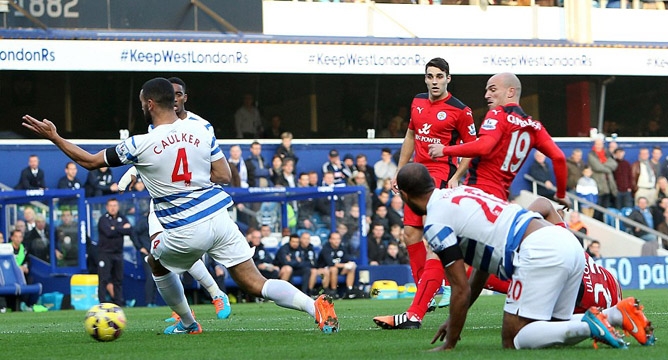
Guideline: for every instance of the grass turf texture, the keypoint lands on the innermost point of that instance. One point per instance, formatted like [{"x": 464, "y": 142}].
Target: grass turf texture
[{"x": 265, "y": 331}]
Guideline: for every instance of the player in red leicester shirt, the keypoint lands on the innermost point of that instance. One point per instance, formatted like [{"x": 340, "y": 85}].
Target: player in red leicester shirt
[
  {"x": 506, "y": 138},
  {"x": 437, "y": 117}
]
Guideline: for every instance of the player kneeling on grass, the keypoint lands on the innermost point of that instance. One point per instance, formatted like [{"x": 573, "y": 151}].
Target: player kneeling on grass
[{"x": 511, "y": 243}]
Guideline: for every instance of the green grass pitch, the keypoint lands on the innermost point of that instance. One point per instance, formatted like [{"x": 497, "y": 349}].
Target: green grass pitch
[{"x": 265, "y": 331}]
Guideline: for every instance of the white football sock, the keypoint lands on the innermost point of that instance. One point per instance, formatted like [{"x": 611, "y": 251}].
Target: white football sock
[
  {"x": 171, "y": 289},
  {"x": 200, "y": 273},
  {"x": 286, "y": 295},
  {"x": 540, "y": 334},
  {"x": 614, "y": 316}
]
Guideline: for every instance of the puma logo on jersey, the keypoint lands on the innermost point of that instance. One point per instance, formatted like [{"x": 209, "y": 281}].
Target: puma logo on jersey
[
  {"x": 489, "y": 124},
  {"x": 426, "y": 128},
  {"x": 419, "y": 109}
]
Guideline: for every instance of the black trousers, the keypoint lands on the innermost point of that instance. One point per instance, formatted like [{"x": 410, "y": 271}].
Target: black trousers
[{"x": 110, "y": 271}]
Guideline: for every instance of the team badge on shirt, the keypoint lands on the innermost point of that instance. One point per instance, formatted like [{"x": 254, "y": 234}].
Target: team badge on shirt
[
  {"x": 441, "y": 115},
  {"x": 489, "y": 124}
]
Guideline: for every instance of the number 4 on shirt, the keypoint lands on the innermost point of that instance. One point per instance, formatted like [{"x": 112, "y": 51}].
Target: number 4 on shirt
[{"x": 182, "y": 165}]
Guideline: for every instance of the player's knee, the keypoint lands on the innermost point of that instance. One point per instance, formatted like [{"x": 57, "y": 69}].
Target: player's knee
[
  {"x": 412, "y": 235},
  {"x": 156, "y": 267}
]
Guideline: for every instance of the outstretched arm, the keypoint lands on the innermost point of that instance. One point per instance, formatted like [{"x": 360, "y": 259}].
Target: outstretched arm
[
  {"x": 480, "y": 147},
  {"x": 46, "y": 129}
]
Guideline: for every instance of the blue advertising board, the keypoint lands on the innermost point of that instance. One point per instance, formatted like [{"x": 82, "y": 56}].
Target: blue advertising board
[{"x": 638, "y": 273}]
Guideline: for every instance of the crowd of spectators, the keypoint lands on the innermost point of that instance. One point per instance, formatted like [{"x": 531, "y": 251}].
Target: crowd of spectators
[{"x": 634, "y": 189}]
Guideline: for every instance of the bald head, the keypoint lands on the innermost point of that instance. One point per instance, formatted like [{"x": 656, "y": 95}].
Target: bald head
[{"x": 502, "y": 89}]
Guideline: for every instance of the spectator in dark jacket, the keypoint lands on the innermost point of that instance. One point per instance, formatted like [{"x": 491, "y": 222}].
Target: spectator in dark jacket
[
  {"x": 112, "y": 228},
  {"x": 70, "y": 180},
  {"x": 624, "y": 180},
  {"x": 392, "y": 256},
  {"x": 377, "y": 244},
  {"x": 262, "y": 258},
  {"x": 258, "y": 169},
  {"x": 541, "y": 171},
  {"x": 37, "y": 241},
  {"x": 100, "y": 182},
  {"x": 32, "y": 177},
  {"x": 285, "y": 149},
  {"x": 642, "y": 215},
  {"x": 338, "y": 261},
  {"x": 293, "y": 261}
]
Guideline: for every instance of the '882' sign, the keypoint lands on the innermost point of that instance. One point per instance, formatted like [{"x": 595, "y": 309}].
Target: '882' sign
[{"x": 50, "y": 8}]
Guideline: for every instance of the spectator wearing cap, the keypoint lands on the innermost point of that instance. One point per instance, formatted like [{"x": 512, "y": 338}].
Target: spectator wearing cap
[
  {"x": 349, "y": 167},
  {"x": 335, "y": 166},
  {"x": 384, "y": 168}
]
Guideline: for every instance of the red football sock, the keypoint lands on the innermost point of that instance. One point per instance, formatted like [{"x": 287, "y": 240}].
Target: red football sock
[
  {"x": 495, "y": 284},
  {"x": 431, "y": 281},
  {"x": 417, "y": 254}
]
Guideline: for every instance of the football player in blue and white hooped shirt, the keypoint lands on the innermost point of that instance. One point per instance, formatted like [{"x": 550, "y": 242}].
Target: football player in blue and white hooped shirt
[
  {"x": 180, "y": 165},
  {"x": 544, "y": 261}
]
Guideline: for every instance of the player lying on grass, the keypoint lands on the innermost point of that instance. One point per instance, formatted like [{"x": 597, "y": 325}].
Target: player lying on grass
[{"x": 512, "y": 243}]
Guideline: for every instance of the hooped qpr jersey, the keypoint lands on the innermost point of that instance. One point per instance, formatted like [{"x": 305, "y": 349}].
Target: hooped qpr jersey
[
  {"x": 457, "y": 216},
  {"x": 174, "y": 161},
  {"x": 515, "y": 133},
  {"x": 447, "y": 122}
]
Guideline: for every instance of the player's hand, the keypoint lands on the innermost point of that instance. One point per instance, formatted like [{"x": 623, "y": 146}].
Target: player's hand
[
  {"x": 128, "y": 179},
  {"x": 441, "y": 336},
  {"x": 436, "y": 150},
  {"x": 395, "y": 187},
  {"x": 453, "y": 183},
  {"x": 565, "y": 202},
  {"x": 44, "y": 128}
]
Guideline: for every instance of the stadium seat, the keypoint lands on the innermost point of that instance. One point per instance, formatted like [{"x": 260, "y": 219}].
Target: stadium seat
[
  {"x": 12, "y": 280},
  {"x": 626, "y": 211},
  {"x": 323, "y": 233},
  {"x": 609, "y": 219}
]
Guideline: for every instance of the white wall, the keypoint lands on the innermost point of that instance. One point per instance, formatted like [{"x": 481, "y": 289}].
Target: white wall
[{"x": 455, "y": 21}]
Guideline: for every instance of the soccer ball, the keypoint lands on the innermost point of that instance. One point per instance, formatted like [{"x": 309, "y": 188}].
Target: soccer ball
[{"x": 105, "y": 322}]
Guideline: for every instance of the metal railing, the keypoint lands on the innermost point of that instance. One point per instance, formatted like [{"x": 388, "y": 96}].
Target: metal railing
[{"x": 618, "y": 218}]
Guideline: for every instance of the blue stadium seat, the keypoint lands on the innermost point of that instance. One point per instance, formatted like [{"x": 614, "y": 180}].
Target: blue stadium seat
[
  {"x": 626, "y": 211},
  {"x": 12, "y": 280},
  {"x": 323, "y": 233},
  {"x": 610, "y": 220}
]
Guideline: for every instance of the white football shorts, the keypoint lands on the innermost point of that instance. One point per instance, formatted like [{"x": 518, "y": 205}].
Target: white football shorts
[
  {"x": 178, "y": 249},
  {"x": 547, "y": 276}
]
